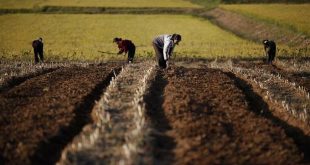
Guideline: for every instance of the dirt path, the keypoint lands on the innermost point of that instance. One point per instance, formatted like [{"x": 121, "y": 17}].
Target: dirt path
[
  {"x": 206, "y": 119},
  {"x": 254, "y": 30},
  {"x": 41, "y": 115}
]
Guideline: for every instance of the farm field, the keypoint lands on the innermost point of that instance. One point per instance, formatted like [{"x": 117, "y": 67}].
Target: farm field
[
  {"x": 218, "y": 102},
  {"x": 31, "y": 111},
  {"x": 292, "y": 16},
  {"x": 81, "y": 41},
  {"x": 142, "y": 116},
  {"x": 96, "y": 3}
]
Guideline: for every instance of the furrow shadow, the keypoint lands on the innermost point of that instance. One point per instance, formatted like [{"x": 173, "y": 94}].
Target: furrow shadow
[
  {"x": 260, "y": 107},
  {"x": 49, "y": 151},
  {"x": 162, "y": 145},
  {"x": 15, "y": 81}
]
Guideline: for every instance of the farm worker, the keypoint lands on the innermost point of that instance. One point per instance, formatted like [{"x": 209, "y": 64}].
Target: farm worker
[
  {"x": 126, "y": 46},
  {"x": 163, "y": 46},
  {"x": 270, "y": 50},
  {"x": 38, "y": 50}
]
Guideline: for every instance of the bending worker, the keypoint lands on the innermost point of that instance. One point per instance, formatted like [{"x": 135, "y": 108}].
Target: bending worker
[
  {"x": 38, "y": 50},
  {"x": 163, "y": 46},
  {"x": 270, "y": 50},
  {"x": 126, "y": 46}
]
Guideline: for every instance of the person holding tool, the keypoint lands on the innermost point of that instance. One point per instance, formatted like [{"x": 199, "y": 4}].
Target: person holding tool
[
  {"x": 163, "y": 46},
  {"x": 127, "y": 47}
]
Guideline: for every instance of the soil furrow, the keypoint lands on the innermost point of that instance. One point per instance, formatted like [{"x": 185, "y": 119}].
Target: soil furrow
[
  {"x": 260, "y": 107},
  {"x": 295, "y": 75},
  {"x": 119, "y": 127},
  {"x": 162, "y": 144},
  {"x": 41, "y": 115},
  {"x": 14, "y": 81},
  {"x": 289, "y": 100},
  {"x": 212, "y": 123}
]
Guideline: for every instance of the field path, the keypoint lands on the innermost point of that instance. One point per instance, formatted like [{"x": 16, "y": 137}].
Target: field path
[
  {"x": 255, "y": 30},
  {"x": 41, "y": 115},
  {"x": 119, "y": 128}
]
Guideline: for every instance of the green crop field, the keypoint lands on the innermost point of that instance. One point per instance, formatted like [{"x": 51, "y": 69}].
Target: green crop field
[
  {"x": 96, "y": 3},
  {"x": 293, "y": 16},
  {"x": 79, "y": 37}
]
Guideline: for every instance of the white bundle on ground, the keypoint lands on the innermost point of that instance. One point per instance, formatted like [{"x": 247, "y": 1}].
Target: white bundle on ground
[{"x": 120, "y": 127}]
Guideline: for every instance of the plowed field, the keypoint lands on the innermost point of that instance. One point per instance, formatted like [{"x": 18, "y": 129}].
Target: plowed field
[
  {"x": 208, "y": 119},
  {"x": 41, "y": 115},
  {"x": 241, "y": 112}
]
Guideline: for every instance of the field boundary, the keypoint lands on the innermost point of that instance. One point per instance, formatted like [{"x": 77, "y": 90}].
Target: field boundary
[
  {"x": 103, "y": 10},
  {"x": 255, "y": 30}
]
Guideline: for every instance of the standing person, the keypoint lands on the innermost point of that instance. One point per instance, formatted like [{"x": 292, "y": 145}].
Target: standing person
[
  {"x": 270, "y": 50},
  {"x": 38, "y": 50},
  {"x": 126, "y": 46},
  {"x": 163, "y": 46}
]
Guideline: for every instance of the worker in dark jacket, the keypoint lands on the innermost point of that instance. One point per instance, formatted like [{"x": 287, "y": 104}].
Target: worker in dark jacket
[
  {"x": 126, "y": 46},
  {"x": 38, "y": 50},
  {"x": 163, "y": 46},
  {"x": 270, "y": 50}
]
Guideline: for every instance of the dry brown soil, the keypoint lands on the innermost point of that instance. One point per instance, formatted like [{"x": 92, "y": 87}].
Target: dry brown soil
[
  {"x": 300, "y": 78},
  {"x": 201, "y": 116},
  {"x": 41, "y": 115}
]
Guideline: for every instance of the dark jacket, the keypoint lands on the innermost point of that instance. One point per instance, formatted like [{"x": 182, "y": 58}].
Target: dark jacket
[
  {"x": 125, "y": 46},
  {"x": 270, "y": 47},
  {"x": 37, "y": 45}
]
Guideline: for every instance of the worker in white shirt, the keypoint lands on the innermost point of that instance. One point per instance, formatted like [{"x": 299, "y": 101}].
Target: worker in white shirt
[{"x": 163, "y": 46}]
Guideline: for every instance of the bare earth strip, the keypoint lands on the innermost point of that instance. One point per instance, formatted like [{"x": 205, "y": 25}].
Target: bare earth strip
[
  {"x": 206, "y": 119},
  {"x": 295, "y": 71},
  {"x": 14, "y": 73},
  {"x": 41, "y": 115},
  {"x": 294, "y": 99},
  {"x": 285, "y": 100},
  {"x": 119, "y": 129},
  {"x": 257, "y": 31}
]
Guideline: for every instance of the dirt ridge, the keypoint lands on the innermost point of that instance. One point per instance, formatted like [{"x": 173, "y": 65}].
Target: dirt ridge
[
  {"x": 46, "y": 111},
  {"x": 255, "y": 30}
]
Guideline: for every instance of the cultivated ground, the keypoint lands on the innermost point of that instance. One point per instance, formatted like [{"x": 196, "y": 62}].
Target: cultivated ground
[
  {"x": 40, "y": 114},
  {"x": 194, "y": 112},
  {"x": 218, "y": 103}
]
